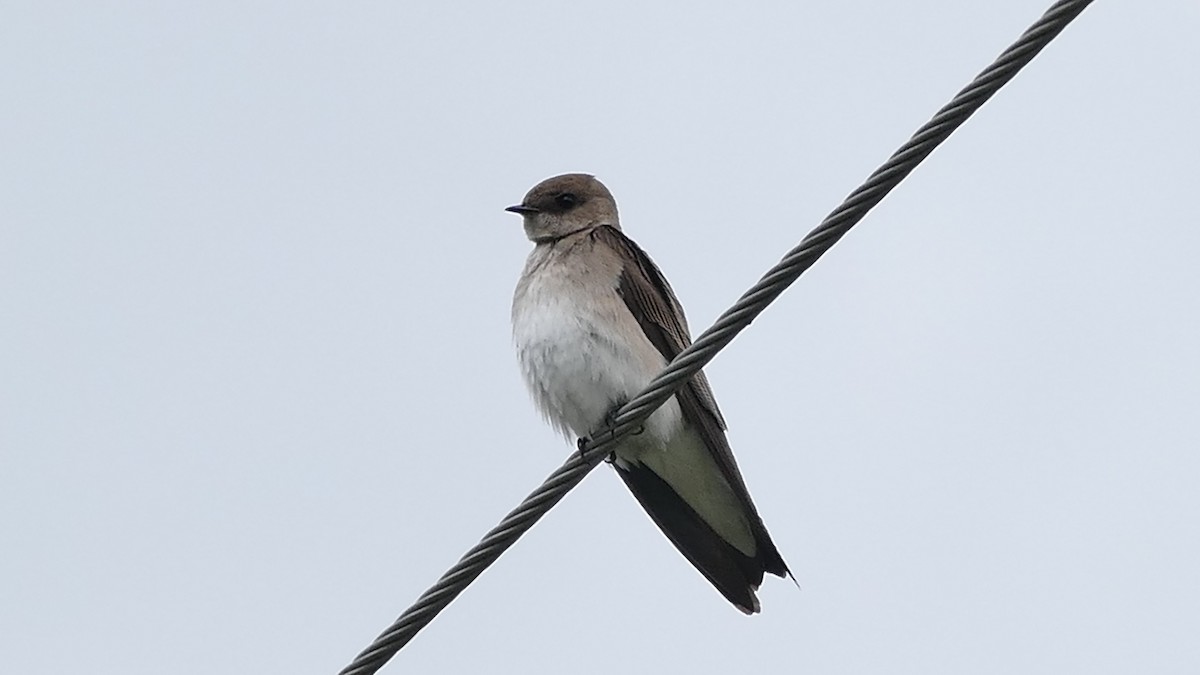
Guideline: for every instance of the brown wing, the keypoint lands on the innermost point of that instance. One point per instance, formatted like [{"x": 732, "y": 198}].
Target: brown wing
[{"x": 651, "y": 300}]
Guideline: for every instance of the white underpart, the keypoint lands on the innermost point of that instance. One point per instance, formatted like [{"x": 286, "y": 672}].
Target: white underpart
[{"x": 582, "y": 352}]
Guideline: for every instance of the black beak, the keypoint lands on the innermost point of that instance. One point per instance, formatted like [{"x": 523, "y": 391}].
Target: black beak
[{"x": 521, "y": 209}]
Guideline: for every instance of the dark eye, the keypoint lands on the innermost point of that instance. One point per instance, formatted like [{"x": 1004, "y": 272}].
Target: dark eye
[{"x": 566, "y": 200}]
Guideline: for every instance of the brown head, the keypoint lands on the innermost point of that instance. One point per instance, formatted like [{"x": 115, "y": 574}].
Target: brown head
[{"x": 566, "y": 204}]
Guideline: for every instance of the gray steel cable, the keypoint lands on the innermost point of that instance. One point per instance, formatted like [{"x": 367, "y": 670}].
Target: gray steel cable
[{"x": 692, "y": 359}]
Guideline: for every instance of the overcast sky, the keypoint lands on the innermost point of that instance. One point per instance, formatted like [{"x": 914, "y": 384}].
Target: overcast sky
[{"x": 257, "y": 388}]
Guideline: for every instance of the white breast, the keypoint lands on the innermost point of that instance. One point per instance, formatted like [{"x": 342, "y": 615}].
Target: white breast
[{"x": 580, "y": 349}]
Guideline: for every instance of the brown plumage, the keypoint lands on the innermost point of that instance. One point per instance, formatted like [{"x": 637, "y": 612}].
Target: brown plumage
[{"x": 594, "y": 320}]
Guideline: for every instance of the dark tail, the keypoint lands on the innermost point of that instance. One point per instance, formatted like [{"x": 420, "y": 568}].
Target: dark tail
[{"x": 733, "y": 573}]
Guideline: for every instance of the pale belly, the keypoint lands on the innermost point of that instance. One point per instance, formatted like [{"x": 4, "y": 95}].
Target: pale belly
[{"x": 580, "y": 361}]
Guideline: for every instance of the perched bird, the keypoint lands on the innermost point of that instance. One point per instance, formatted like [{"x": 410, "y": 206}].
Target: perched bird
[{"x": 594, "y": 320}]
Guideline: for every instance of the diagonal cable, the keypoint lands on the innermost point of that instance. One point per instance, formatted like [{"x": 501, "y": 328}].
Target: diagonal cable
[{"x": 728, "y": 325}]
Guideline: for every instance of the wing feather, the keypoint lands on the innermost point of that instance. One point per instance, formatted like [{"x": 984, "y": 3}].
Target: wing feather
[{"x": 650, "y": 299}]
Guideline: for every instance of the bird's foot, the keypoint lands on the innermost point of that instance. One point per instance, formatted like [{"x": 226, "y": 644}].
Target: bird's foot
[
  {"x": 610, "y": 418},
  {"x": 610, "y": 421}
]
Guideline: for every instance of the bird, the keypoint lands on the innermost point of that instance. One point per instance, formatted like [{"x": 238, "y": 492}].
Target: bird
[{"x": 594, "y": 320}]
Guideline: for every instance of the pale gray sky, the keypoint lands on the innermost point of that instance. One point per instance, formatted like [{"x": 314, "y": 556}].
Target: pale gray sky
[{"x": 257, "y": 390}]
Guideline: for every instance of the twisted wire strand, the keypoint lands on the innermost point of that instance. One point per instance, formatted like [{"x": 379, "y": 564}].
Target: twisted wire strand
[{"x": 711, "y": 341}]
